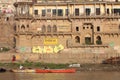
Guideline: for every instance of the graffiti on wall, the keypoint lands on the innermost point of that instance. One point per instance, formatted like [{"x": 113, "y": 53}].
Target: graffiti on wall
[
  {"x": 37, "y": 49},
  {"x": 24, "y": 49},
  {"x": 111, "y": 44},
  {"x": 58, "y": 48},
  {"x": 42, "y": 49},
  {"x": 48, "y": 49}
]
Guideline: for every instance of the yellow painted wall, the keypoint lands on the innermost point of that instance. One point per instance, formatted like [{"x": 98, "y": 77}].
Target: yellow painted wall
[{"x": 50, "y": 41}]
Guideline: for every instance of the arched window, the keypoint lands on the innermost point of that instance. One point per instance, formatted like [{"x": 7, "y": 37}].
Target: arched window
[
  {"x": 77, "y": 39},
  {"x": 54, "y": 28},
  {"x": 98, "y": 38},
  {"x": 98, "y": 41},
  {"x": 49, "y": 28},
  {"x": 43, "y": 28},
  {"x": 23, "y": 27}
]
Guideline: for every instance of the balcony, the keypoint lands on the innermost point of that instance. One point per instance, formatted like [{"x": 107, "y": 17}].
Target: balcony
[
  {"x": 42, "y": 33},
  {"x": 55, "y": 17}
]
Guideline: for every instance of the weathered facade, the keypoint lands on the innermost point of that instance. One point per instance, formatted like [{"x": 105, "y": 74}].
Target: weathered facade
[
  {"x": 49, "y": 27},
  {"x": 6, "y": 24}
]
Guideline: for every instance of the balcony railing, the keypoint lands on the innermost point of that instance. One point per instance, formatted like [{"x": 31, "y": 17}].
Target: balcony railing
[
  {"x": 67, "y": 17},
  {"x": 43, "y": 33}
]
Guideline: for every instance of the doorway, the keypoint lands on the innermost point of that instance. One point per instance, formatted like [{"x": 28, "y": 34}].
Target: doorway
[{"x": 87, "y": 40}]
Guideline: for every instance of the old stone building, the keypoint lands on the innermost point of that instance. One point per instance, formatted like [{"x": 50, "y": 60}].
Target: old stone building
[
  {"x": 6, "y": 24},
  {"x": 52, "y": 26}
]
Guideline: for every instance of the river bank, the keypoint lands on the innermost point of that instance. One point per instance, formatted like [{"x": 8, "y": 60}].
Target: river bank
[{"x": 83, "y": 67}]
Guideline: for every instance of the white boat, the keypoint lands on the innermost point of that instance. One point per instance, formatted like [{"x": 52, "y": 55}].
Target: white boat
[{"x": 23, "y": 70}]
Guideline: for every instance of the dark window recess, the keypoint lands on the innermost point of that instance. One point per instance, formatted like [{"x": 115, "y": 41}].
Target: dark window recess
[
  {"x": 54, "y": 12},
  {"x": 77, "y": 28},
  {"x": 98, "y": 40},
  {"x": 60, "y": 12},
  {"x": 108, "y": 11},
  {"x": 88, "y": 40},
  {"x": 98, "y": 28},
  {"x": 43, "y": 12},
  {"x": 66, "y": 12},
  {"x": 97, "y": 11},
  {"x": 116, "y": 11},
  {"x": 36, "y": 12},
  {"x": 83, "y": 27},
  {"x": 91, "y": 27},
  {"x": 76, "y": 12},
  {"x": 88, "y": 11},
  {"x": 27, "y": 26},
  {"x": 7, "y": 19},
  {"x": 77, "y": 39}
]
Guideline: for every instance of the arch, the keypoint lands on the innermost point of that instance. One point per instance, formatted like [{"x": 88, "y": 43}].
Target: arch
[
  {"x": 87, "y": 35},
  {"x": 88, "y": 39},
  {"x": 43, "y": 28},
  {"x": 22, "y": 27},
  {"x": 77, "y": 39},
  {"x": 98, "y": 40},
  {"x": 54, "y": 28},
  {"x": 48, "y": 28}
]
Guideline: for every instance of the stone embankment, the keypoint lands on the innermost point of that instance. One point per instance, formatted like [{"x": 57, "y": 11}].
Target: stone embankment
[{"x": 58, "y": 57}]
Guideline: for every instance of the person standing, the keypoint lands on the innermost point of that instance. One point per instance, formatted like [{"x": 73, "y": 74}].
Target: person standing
[{"x": 13, "y": 58}]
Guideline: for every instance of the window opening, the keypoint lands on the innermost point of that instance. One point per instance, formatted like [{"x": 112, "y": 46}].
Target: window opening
[
  {"x": 77, "y": 39},
  {"x": 77, "y": 28}
]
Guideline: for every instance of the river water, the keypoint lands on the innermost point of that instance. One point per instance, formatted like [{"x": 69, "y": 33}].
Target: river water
[{"x": 61, "y": 76}]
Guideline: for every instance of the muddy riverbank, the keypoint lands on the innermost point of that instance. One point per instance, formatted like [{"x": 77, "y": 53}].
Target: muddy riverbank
[{"x": 83, "y": 67}]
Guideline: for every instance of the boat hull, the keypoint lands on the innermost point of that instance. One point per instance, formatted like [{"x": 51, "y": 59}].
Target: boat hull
[
  {"x": 23, "y": 71},
  {"x": 55, "y": 70}
]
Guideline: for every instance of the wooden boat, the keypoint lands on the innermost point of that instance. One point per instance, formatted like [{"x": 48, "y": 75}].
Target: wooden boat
[
  {"x": 23, "y": 70},
  {"x": 2, "y": 70},
  {"x": 112, "y": 60},
  {"x": 72, "y": 70}
]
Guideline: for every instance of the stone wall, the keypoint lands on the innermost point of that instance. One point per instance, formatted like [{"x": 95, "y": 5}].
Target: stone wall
[{"x": 70, "y": 56}]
